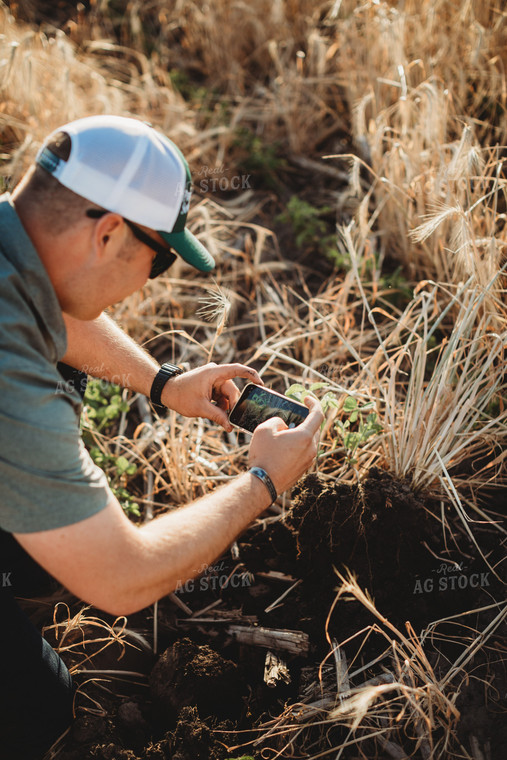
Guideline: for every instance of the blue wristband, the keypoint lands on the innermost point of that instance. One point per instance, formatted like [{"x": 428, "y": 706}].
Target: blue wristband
[{"x": 263, "y": 475}]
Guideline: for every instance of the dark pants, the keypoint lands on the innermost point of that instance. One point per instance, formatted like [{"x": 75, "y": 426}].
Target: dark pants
[{"x": 36, "y": 689}]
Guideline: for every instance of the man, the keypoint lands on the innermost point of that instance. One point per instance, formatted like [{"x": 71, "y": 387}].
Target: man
[{"x": 103, "y": 208}]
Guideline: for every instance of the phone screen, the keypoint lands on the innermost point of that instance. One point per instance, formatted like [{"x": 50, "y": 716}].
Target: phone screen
[{"x": 257, "y": 404}]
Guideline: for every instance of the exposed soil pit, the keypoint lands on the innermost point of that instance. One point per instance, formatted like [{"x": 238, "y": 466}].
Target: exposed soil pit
[
  {"x": 207, "y": 696},
  {"x": 391, "y": 540},
  {"x": 378, "y": 529}
]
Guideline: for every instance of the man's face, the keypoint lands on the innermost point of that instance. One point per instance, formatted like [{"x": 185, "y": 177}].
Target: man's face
[
  {"x": 134, "y": 264},
  {"x": 115, "y": 264},
  {"x": 164, "y": 255}
]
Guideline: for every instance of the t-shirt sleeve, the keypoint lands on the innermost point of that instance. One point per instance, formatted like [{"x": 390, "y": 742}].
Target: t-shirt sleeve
[{"x": 47, "y": 478}]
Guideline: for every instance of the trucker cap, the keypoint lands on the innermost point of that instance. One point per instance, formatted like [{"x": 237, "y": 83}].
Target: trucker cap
[{"x": 126, "y": 166}]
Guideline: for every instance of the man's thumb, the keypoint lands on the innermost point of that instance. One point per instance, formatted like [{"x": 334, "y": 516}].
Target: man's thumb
[
  {"x": 218, "y": 415},
  {"x": 274, "y": 424}
]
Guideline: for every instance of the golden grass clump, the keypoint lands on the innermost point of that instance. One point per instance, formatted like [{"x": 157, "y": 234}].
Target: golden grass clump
[
  {"x": 47, "y": 81},
  {"x": 428, "y": 93}
]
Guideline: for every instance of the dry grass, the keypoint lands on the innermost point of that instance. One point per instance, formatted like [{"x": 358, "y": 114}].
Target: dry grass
[
  {"x": 393, "y": 706},
  {"x": 394, "y": 115}
]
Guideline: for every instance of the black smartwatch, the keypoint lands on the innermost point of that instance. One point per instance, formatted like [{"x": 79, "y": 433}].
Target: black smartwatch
[{"x": 164, "y": 374}]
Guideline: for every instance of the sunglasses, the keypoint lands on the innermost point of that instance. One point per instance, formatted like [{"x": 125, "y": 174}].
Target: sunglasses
[{"x": 165, "y": 256}]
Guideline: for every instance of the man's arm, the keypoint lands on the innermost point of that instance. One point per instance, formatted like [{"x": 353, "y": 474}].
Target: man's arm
[
  {"x": 109, "y": 562},
  {"x": 102, "y": 349}
]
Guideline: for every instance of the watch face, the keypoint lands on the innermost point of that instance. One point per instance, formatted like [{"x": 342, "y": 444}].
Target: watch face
[{"x": 170, "y": 369}]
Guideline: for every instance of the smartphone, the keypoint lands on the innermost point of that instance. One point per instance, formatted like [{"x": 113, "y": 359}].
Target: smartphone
[{"x": 257, "y": 404}]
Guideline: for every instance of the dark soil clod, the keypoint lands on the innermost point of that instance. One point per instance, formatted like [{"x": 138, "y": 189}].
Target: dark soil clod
[{"x": 192, "y": 674}]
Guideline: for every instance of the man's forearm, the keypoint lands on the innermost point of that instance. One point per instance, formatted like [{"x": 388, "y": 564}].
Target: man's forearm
[
  {"x": 176, "y": 546},
  {"x": 102, "y": 349},
  {"x": 106, "y": 560},
  {"x": 109, "y": 562}
]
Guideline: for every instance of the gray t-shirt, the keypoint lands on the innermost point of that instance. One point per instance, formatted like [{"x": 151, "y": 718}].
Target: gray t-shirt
[{"x": 47, "y": 479}]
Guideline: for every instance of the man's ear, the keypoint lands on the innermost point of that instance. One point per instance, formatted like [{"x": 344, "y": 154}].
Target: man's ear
[{"x": 109, "y": 235}]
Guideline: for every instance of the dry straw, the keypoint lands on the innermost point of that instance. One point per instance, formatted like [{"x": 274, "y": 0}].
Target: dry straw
[{"x": 405, "y": 704}]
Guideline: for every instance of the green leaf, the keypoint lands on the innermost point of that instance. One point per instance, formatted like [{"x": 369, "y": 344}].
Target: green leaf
[
  {"x": 350, "y": 404},
  {"x": 351, "y": 441},
  {"x": 318, "y": 386},
  {"x": 295, "y": 391},
  {"x": 122, "y": 464}
]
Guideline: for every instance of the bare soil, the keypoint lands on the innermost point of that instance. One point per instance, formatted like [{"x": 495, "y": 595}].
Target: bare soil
[{"x": 206, "y": 695}]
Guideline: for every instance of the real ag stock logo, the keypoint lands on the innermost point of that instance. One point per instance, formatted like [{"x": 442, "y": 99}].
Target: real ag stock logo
[
  {"x": 213, "y": 179},
  {"x": 451, "y": 578},
  {"x": 215, "y": 577}
]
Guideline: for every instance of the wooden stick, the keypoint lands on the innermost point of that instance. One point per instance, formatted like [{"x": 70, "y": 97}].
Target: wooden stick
[
  {"x": 179, "y": 603},
  {"x": 209, "y": 607},
  {"x": 282, "y": 596},
  {"x": 294, "y": 642},
  {"x": 224, "y": 616},
  {"x": 274, "y": 575},
  {"x": 342, "y": 678}
]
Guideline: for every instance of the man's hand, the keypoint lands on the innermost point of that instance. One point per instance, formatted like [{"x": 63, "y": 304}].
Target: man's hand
[
  {"x": 286, "y": 453},
  {"x": 207, "y": 391}
]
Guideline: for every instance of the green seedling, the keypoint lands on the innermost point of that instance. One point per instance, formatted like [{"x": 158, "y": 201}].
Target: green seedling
[
  {"x": 104, "y": 403},
  {"x": 298, "y": 392},
  {"x": 117, "y": 469},
  {"x": 120, "y": 464},
  {"x": 103, "y": 407},
  {"x": 360, "y": 425},
  {"x": 312, "y": 232},
  {"x": 257, "y": 157},
  {"x": 361, "y": 421}
]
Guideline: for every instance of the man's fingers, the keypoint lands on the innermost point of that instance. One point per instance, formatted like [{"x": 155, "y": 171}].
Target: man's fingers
[
  {"x": 230, "y": 371},
  {"x": 223, "y": 380},
  {"x": 226, "y": 392}
]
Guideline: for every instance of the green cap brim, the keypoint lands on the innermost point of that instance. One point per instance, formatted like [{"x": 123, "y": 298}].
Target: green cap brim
[{"x": 189, "y": 248}]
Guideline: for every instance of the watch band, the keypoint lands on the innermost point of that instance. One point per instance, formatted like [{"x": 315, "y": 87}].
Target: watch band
[
  {"x": 263, "y": 475},
  {"x": 164, "y": 374}
]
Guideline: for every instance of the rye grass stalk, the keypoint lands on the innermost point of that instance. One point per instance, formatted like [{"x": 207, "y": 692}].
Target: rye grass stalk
[
  {"x": 215, "y": 307},
  {"x": 423, "y": 131}
]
